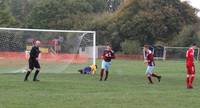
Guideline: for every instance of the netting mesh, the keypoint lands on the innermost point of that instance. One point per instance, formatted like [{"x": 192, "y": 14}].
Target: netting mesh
[
  {"x": 178, "y": 53},
  {"x": 60, "y": 50}
]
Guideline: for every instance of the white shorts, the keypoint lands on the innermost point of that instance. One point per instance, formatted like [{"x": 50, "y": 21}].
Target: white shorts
[
  {"x": 149, "y": 70},
  {"x": 105, "y": 65}
]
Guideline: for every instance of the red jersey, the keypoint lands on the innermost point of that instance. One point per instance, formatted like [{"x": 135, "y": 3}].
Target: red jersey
[
  {"x": 150, "y": 58},
  {"x": 190, "y": 57},
  {"x": 108, "y": 55}
]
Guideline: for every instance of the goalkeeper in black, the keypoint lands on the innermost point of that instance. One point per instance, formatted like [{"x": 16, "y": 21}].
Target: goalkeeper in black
[{"x": 33, "y": 61}]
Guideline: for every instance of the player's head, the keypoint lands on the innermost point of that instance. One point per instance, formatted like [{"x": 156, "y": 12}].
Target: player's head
[
  {"x": 194, "y": 45},
  {"x": 37, "y": 43},
  {"x": 108, "y": 47},
  {"x": 146, "y": 47}
]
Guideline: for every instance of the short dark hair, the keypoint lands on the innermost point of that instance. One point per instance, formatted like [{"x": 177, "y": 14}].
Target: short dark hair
[
  {"x": 33, "y": 42},
  {"x": 194, "y": 44},
  {"x": 146, "y": 46},
  {"x": 108, "y": 44}
]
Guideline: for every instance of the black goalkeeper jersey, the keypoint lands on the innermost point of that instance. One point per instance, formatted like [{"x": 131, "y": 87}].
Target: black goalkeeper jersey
[{"x": 34, "y": 52}]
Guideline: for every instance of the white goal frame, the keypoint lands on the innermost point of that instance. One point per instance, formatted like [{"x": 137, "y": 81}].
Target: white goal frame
[
  {"x": 163, "y": 57},
  {"x": 63, "y": 31},
  {"x": 165, "y": 51}
]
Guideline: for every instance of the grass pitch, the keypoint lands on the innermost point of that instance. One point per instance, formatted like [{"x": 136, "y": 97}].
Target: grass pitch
[{"x": 126, "y": 88}]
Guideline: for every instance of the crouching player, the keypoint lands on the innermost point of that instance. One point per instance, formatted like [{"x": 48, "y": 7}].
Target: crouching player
[
  {"x": 149, "y": 59},
  {"x": 107, "y": 56},
  {"x": 190, "y": 66},
  {"x": 33, "y": 61},
  {"x": 88, "y": 69}
]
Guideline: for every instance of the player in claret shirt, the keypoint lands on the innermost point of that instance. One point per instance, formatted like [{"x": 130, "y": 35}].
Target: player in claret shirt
[
  {"x": 149, "y": 59},
  {"x": 107, "y": 56},
  {"x": 190, "y": 66}
]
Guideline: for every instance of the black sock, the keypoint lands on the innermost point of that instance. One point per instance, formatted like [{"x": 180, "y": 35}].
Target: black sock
[
  {"x": 106, "y": 76},
  {"x": 36, "y": 74},
  {"x": 150, "y": 81},
  {"x": 101, "y": 74},
  {"x": 27, "y": 75},
  {"x": 154, "y": 75},
  {"x": 81, "y": 71}
]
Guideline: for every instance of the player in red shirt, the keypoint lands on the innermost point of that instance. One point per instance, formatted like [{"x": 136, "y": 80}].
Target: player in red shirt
[
  {"x": 149, "y": 59},
  {"x": 190, "y": 66},
  {"x": 107, "y": 56}
]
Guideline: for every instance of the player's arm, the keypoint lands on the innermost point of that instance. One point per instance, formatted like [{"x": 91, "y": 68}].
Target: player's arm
[
  {"x": 33, "y": 53},
  {"x": 39, "y": 56},
  {"x": 146, "y": 59},
  {"x": 103, "y": 55},
  {"x": 113, "y": 55},
  {"x": 94, "y": 70}
]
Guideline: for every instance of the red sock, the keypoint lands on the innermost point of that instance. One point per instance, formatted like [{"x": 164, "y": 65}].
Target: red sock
[
  {"x": 191, "y": 80},
  {"x": 188, "y": 81}
]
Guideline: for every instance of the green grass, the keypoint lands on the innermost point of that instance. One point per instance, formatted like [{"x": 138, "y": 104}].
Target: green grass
[{"x": 126, "y": 88}]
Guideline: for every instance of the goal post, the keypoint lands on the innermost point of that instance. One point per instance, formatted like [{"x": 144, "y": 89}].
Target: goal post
[
  {"x": 178, "y": 53},
  {"x": 59, "y": 47},
  {"x": 158, "y": 52},
  {"x": 171, "y": 53}
]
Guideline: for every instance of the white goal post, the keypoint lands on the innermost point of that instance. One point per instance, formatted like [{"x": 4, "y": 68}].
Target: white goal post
[
  {"x": 171, "y": 53},
  {"x": 63, "y": 31},
  {"x": 61, "y": 47},
  {"x": 180, "y": 50}
]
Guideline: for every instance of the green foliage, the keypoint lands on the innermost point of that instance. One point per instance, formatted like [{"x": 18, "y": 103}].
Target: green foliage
[
  {"x": 149, "y": 21},
  {"x": 20, "y": 10},
  {"x": 63, "y": 14},
  {"x": 130, "y": 47},
  {"x": 6, "y": 18},
  {"x": 189, "y": 34},
  {"x": 184, "y": 38}
]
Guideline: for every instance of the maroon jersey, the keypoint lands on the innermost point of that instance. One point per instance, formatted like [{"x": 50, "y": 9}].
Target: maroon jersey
[
  {"x": 150, "y": 58},
  {"x": 108, "y": 55}
]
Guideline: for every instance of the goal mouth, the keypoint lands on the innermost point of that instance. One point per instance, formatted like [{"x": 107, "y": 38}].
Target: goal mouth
[
  {"x": 172, "y": 53},
  {"x": 59, "y": 48}
]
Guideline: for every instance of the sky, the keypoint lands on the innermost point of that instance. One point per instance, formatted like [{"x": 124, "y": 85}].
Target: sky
[{"x": 194, "y": 3}]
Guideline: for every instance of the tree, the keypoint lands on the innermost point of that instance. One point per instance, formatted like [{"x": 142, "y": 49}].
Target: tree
[
  {"x": 148, "y": 21},
  {"x": 20, "y": 10},
  {"x": 131, "y": 47},
  {"x": 63, "y": 14},
  {"x": 6, "y": 18}
]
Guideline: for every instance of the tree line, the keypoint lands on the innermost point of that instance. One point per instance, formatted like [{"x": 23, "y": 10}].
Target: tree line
[{"x": 132, "y": 24}]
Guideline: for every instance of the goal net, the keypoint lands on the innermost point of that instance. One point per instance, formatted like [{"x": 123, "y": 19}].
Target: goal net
[
  {"x": 172, "y": 53},
  {"x": 61, "y": 50},
  {"x": 178, "y": 53},
  {"x": 158, "y": 52}
]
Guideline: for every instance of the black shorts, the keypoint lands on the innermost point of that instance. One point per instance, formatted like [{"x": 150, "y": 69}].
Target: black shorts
[{"x": 33, "y": 63}]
